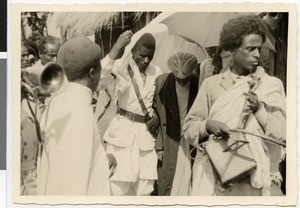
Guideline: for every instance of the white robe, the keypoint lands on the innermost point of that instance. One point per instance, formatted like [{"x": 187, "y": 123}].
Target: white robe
[{"x": 73, "y": 160}]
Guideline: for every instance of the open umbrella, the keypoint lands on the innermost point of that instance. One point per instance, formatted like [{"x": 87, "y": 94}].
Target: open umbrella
[{"x": 203, "y": 28}]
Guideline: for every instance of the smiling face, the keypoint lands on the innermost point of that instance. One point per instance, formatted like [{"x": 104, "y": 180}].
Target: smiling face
[
  {"x": 245, "y": 58},
  {"x": 142, "y": 57}
]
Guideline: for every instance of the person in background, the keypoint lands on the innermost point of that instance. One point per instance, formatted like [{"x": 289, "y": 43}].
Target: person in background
[
  {"x": 127, "y": 136},
  {"x": 174, "y": 95},
  {"x": 30, "y": 115},
  {"x": 221, "y": 102},
  {"x": 33, "y": 52},
  {"x": 73, "y": 160},
  {"x": 24, "y": 57},
  {"x": 206, "y": 66},
  {"x": 48, "y": 48}
]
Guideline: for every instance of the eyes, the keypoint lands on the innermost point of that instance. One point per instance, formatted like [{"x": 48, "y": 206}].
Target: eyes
[
  {"x": 146, "y": 56},
  {"x": 251, "y": 49},
  {"x": 52, "y": 55}
]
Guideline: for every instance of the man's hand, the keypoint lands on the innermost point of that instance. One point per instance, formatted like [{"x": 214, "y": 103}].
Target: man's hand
[
  {"x": 118, "y": 48},
  {"x": 217, "y": 128},
  {"x": 124, "y": 39},
  {"x": 252, "y": 101},
  {"x": 112, "y": 163}
]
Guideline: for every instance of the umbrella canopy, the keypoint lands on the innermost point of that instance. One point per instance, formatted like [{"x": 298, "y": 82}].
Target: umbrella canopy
[
  {"x": 166, "y": 45},
  {"x": 202, "y": 28}
]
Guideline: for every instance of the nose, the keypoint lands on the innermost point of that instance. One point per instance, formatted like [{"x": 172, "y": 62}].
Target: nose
[
  {"x": 256, "y": 53},
  {"x": 146, "y": 60}
]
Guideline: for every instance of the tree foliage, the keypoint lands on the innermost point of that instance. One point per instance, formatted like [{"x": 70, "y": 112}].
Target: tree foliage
[{"x": 33, "y": 25}]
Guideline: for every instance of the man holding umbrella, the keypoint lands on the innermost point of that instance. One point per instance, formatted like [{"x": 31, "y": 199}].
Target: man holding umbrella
[{"x": 220, "y": 103}]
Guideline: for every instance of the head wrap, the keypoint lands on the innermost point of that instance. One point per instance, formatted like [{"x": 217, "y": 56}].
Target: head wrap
[
  {"x": 77, "y": 56},
  {"x": 182, "y": 64},
  {"x": 147, "y": 40}
]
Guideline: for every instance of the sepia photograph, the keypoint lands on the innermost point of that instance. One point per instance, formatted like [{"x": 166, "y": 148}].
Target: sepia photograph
[{"x": 164, "y": 104}]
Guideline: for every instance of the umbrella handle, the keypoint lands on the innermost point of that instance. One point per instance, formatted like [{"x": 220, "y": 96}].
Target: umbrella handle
[{"x": 266, "y": 138}]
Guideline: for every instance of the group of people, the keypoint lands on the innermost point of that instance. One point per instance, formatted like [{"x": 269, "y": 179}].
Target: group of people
[{"x": 154, "y": 141}]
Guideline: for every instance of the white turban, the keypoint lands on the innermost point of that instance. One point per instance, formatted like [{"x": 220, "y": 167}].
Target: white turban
[{"x": 182, "y": 64}]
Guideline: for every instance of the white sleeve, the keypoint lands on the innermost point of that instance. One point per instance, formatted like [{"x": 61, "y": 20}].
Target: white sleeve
[{"x": 107, "y": 66}]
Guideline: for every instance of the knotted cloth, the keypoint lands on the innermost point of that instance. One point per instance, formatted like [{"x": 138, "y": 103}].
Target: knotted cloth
[{"x": 182, "y": 64}]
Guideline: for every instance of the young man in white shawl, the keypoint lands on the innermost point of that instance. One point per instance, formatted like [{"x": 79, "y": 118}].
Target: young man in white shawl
[
  {"x": 220, "y": 103},
  {"x": 73, "y": 160}
]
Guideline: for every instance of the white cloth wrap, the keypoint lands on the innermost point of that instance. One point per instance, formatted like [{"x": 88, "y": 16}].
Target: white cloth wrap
[{"x": 227, "y": 109}]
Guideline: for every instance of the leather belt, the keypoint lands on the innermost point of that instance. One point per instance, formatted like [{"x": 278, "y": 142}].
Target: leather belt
[{"x": 131, "y": 116}]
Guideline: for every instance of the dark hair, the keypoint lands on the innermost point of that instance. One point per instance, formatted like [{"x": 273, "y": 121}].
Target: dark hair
[
  {"x": 234, "y": 31},
  {"x": 146, "y": 40},
  {"x": 47, "y": 40},
  {"x": 32, "y": 47}
]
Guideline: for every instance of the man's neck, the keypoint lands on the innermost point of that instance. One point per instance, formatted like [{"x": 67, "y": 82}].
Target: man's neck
[
  {"x": 239, "y": 70},
  {"x": 142, "y": 71}
]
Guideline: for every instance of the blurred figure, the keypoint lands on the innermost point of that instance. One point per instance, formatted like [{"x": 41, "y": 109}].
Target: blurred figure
[
  {"x": 217, "y": 61},
  {"x": 24, "y": 57},
  {"x": 30, "y": 115},
  {"x": 73, "y": 160},
  {"x": 33, "y": 52},
  {"x": 48, "y": 48},
  {"x": 174, "y": 95},
  {"x": 206, "y": 66}
]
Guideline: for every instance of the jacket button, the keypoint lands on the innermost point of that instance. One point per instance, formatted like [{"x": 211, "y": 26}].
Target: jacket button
[
  {"x": 25, "y": 143},
  {"x": 25, "y": 157}
]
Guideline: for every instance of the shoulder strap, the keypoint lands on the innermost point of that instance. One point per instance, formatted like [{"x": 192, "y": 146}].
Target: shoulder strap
[{"x": 137, "y": 92}]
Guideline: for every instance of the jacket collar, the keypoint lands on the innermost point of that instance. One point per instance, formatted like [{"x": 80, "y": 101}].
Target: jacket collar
[{"x": 226, "y": 79}]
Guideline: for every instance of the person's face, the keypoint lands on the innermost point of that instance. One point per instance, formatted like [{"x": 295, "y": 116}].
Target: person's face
[
  {"x": 31, "y": 59},
  {"x": 183, "y": 81},
  {"x": 50, "y": 54},
  {"x": 24, "y": 57},
  {"x": 142, "y": 57},
  {"x": 245, "y": 58}
]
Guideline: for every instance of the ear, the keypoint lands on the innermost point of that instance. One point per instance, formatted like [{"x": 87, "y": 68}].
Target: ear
[
  {"x": 92, "y": 73},
  {"x": 233, "y": 51}
]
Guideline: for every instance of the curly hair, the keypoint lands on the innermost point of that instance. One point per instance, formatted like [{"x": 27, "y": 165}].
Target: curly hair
[
  {"x": 234, "y": 31},
  {"x": 47, "y": 40}
]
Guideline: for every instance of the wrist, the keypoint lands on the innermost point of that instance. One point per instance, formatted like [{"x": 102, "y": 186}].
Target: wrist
[
  {"x": 116, "y": 52},
  {"x": 258, "y": 108}
]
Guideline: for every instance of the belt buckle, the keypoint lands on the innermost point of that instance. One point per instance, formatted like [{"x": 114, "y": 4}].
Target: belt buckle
[{"x": 130, "y": 115}]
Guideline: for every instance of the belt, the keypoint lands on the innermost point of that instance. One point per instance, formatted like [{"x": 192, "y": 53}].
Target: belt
[{"x": 131, "y": 116}]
